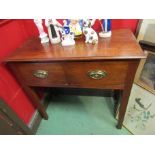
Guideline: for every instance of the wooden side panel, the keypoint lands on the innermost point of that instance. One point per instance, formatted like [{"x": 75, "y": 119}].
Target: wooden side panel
[
  {"x": 10, "y": 124},
  {"x": 133, "y": 64}
]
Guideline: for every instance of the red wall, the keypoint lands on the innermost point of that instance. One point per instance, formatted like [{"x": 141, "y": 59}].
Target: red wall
[
  {"x": 120, "y": 23},
  {"x": 13, "y": 34}
]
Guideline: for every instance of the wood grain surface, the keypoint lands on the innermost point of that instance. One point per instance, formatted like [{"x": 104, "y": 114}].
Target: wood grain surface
[
  {"x": 121, "y": 45},
  {"x": 74, "y": 74}
]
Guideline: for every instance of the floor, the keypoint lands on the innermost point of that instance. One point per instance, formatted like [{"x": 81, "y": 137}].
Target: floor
[{"x": 80, "y": 115}]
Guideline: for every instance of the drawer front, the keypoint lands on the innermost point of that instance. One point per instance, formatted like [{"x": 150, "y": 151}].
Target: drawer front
[
  {"x": 42, "y": 74},
  {"x": 107, "y": 74}
]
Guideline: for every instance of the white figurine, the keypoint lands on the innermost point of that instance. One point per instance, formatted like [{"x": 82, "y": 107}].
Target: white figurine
[
  {"x": 67, "y": 40},
  {"x": 90, "y": 35},
  {"x": 67, "y": 35},
  {"x": 53, "y": 30},
  {"x": 42, "y": 34}
]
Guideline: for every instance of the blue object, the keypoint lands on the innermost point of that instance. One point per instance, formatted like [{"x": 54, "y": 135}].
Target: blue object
[
  {"x": 68, "y": 21},
  {"x": 66, "y": 29},
  {"x": 106, "y": 25},
  {"x": 81, "y": 23}
]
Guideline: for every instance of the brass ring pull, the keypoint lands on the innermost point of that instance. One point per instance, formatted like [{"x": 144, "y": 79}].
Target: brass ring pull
[
  {"x": 97, "y": 74},
  {"x": 41, "y": 74}
]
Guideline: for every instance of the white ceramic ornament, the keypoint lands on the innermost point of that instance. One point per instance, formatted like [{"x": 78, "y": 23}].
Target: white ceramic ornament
[
  {"x": 42, "y": 35},
  {"x": 105, "y": 34},
  {"x": 90, "y": 35},
  {"x": 68, "y": 40},
  {"x": 67, "y": 35},
  {"x": 53, "y": 30}
]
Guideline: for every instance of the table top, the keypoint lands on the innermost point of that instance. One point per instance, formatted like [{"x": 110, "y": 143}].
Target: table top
[{"x": 121, "y": 45}]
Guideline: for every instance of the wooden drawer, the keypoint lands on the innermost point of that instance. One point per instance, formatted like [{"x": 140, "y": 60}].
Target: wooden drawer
[
  {"x": 74, "y": 74},
  {"x": 81, "y": 74},
  {"x": 54, "y": 74}
]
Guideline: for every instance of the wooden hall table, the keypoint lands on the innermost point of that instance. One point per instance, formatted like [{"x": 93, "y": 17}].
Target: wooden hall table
[{"x": 110, "y": 64}]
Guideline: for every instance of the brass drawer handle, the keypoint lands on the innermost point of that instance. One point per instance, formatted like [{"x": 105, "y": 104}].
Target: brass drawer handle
[
  {"x": 97, "y": 74},
  {"x": 41, "y": 74}
]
